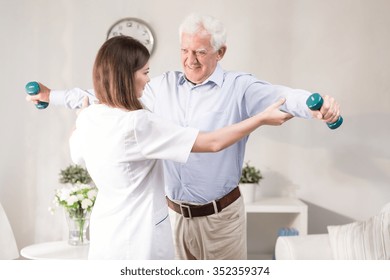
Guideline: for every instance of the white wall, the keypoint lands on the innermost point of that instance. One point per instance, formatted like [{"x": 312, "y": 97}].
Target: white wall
[{"x": 336, "y": 47}]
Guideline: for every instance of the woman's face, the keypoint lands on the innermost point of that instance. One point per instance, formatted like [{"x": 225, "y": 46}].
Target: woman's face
[{"x": 141, "y": 78}]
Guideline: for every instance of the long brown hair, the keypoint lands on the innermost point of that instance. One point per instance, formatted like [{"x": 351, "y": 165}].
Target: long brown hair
[{"x": 113, "y": 72}]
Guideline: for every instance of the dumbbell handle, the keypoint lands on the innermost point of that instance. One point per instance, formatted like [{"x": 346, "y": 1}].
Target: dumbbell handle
[
  {"x": 32, "y": 88},
  {"x": 314, "y": 102}
]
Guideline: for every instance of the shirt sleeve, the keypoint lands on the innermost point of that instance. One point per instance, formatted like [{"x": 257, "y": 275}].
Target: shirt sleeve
[
  {"x": 259, "y": 95},
  {"x": 162, "y": 139},
  {"x": 71, "y": 98}
]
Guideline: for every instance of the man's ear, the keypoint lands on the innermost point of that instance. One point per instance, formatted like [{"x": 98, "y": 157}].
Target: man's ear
[{"x": 221, "y": 52}]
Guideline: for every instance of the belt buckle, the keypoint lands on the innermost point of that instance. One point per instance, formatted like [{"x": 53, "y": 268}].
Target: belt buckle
[{"x": 182, "y": 206}]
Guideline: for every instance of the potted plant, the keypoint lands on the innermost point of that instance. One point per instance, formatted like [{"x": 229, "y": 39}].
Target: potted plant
[
  {"x": 77, "y": 198},
  {"x": 249, "y": 181}
]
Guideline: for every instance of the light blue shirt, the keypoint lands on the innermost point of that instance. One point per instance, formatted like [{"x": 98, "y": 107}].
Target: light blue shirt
[{"x": 223, "y": 99}]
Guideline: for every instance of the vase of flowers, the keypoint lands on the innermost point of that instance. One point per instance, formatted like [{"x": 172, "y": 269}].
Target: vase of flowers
[
  {"x": 77, "y": 199},
  {"x": 78, "y": 228}
]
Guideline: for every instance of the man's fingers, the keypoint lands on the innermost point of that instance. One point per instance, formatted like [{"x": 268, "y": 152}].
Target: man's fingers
[
  {"x": 318, "y": 115},
  {"x": 85, "y": 102},
  {"x": 30, "y": 98}
]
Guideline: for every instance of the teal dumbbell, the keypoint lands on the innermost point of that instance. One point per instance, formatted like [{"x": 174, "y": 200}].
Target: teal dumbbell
[
  {"x": 32, "y": 88},
  {"x": 314, "y": 102}
]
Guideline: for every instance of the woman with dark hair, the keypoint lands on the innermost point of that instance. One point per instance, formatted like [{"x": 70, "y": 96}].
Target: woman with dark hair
[{"x": 122, "y": 145}]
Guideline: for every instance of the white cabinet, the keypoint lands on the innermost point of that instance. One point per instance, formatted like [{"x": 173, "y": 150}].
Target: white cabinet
[{"x": 264, "y": 219}]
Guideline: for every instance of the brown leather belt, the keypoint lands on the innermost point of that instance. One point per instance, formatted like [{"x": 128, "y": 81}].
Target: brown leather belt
[{"x": 191, "y": 210}]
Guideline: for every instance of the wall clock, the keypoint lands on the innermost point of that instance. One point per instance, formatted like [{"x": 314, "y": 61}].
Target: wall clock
[{"x": 136, "y": 28}]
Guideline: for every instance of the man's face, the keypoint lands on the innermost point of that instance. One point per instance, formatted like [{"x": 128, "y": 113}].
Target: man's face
[{"x": 198, "y": 57}]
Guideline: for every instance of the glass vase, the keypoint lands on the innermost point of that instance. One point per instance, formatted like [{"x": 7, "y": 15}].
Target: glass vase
[{"x": 78, "y": 225}]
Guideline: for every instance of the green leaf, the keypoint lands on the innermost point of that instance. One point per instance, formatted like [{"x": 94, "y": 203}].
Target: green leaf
[{"x": 74, "y": 174}]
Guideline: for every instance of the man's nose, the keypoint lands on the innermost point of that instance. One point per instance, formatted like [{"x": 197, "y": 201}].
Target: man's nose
[{"x": 192, "y": 57}]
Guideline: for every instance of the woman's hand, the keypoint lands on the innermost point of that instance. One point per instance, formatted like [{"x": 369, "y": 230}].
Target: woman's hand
[{"x": 274, "y": 116}]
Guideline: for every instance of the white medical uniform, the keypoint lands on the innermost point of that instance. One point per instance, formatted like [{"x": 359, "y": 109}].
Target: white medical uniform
[{"x": 121, "y": 151}]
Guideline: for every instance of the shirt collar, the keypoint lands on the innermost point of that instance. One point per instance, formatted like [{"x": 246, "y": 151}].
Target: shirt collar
[{"x": 216, "y": 77}]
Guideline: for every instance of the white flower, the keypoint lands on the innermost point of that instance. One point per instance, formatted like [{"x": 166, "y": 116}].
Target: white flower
[
  {"x": 71, "y": 200},
  {"x": 64, "y": 194},
  {"x": 51, "y": 210},
  {"x": 56, "y": 201},
  {"x": 92, "y": 194},
  {"x": 84, "y": 186},
  {"x": 76, "y": 199},
  {"x": 85, "y": 203}
]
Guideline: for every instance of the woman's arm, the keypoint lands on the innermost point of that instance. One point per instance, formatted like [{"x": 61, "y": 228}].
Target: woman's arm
[{"x": 220, "y": 139}]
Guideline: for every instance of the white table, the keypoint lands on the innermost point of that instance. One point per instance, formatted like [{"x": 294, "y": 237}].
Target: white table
[
  {"x": 55, "y": 250},
  {"x": 266, "y": 216}
]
